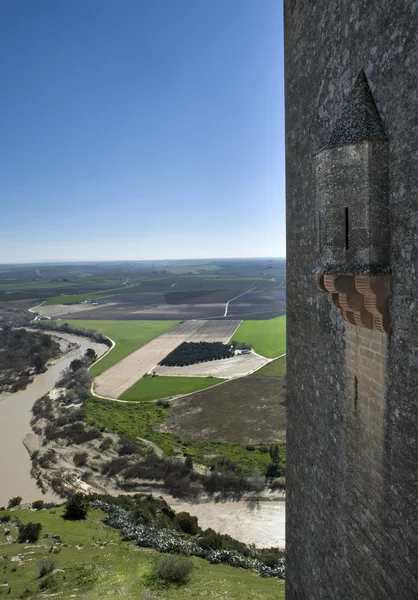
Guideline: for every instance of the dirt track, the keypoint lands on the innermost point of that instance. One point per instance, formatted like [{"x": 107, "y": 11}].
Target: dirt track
[
  {"x": 119, "y": 378},
  {"x": 227, "y": 368}
]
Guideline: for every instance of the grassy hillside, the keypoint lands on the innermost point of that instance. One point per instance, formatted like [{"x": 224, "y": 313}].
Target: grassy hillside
[
  {"x": 153, "y": 388},
  {"x": 267, "y": 337},
  {"x": 93, "y": 564},
  {"x": 128, "y": 336}
]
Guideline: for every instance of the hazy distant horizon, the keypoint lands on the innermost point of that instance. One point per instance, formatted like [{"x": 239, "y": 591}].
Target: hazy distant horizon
[{"x": 138, "y": 260}]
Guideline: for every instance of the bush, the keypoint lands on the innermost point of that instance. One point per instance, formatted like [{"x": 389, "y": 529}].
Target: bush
[
  {"x": 106, "y": 443},
  {"x": 80, "y": 459},
  {"x": 210, "y": 539},
  {"x": 29, "y": 532},
  {"x": 47, "y": 459},
  {"x": 127, "y": 447},
  {"x": 115, "y": 466},
  {"x": 174, "y": 569},
  {"x": 163, "y": 403},
  {"x": 14, "y": 502},
  {"x": 38, "y": 504},
  {"x": 46, "y": 566},
  {"x": 76, "y": 364},
  {"x": 187, "y": 523},
  {"x": 76, "y": 508},
  {"x": 5, "y": 518}
]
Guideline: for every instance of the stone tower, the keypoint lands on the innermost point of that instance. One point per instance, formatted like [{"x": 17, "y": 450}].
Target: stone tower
[{"x": 352, "y": 314}]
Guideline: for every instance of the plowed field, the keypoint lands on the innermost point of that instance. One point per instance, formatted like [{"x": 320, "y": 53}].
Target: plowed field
[{"x": 119, "y": 378}]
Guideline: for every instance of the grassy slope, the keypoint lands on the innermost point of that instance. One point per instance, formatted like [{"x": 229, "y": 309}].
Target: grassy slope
[
  {"x": 128, "y": 335},
  {"x": 267, "y": 337},
  {"x": 112, "y": 569},
  {"x": 275, "y": 368},
  {"x": 152, "y": 388},
  {"x": 142, "y": 419}
]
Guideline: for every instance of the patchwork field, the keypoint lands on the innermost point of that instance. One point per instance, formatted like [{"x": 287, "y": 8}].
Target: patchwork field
[
  {"x": 113, "y": 382},
  {"x": 128, "y": 336},
  {"x": 153, "y": 388},
  {"x": 267, "y": 338},
  {"x": 183, "y": 304},
  {"x": 254, "y": 405},
  {"x": 228, "y": 368}
]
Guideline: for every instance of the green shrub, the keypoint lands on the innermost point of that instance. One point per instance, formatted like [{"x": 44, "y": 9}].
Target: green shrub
[
  {"x": 80, "y": 459},
  {"x": 270, "y": 556},
  {"x": 210, "y": 539},
  {"x": 106, "y": 443},
  {"x": 46, "y": 566},
  {"x": 5, "y": 518},
  {"x": 14, "y": 502},
  {"x": 174, "y": 569},
  {"x": 29, "y": 532},
  {"x": 187, "y": 523},
  {"x": 38, "y": 504},
  {"x": 76, "y": 508}
]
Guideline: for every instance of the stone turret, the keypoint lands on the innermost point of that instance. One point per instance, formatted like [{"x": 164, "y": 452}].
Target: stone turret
[{"x": 351, "y": 192}]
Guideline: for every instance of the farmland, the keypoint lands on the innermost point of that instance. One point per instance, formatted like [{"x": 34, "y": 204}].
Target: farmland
[
  {"x": 252, "y": 404},
  {"x": 267, "y": 338},
  {"x": 113, "y": 382},
  {"x": 128, "y": 336},
  {"x": 229, "y": 368},
  {"x": 152, "y": 290},
  {"x": 153, "y": 388}
]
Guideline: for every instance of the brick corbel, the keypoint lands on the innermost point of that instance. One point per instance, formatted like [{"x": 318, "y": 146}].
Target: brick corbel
[{"x": 363, "y": 300}]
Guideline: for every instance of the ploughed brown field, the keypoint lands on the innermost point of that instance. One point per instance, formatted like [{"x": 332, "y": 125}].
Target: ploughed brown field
[
  {"x": 119, "y": 378},
  {"x": 184, "y": 305},
  {"x": 249, "y": 410}
]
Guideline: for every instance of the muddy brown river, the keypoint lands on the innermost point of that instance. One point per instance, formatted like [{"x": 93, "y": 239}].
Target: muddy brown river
[
  {"x": 15, "y": 416},
  {"x": 263, "y": 526}
]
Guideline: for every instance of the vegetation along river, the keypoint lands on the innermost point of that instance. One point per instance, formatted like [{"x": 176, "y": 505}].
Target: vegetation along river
[{"x": 15, "y": 416}]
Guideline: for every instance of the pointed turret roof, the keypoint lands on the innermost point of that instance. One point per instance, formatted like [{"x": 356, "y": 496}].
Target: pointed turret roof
[{"x": 359, "y": 119}]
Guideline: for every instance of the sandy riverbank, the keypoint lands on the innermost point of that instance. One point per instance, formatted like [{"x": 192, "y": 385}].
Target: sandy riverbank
[{"x": 15, "y": 416}]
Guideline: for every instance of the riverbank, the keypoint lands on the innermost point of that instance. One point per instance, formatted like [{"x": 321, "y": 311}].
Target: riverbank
[{"x": 15, "y": 416}]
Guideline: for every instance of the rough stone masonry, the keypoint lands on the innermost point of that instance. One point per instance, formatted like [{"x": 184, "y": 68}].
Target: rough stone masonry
[{"x": 351, "y": 80}]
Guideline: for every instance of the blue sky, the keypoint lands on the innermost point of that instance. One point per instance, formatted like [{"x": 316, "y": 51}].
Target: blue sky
[{"x": 141, "y": 129}]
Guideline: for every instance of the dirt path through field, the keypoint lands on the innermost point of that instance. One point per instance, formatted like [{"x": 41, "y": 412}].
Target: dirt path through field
[{"x": 119, "y": 378}]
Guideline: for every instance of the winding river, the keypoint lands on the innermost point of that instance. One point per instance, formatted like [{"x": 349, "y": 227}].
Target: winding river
[
  {"x": 15, "y": 416},
  {"x": 264, "y": 526}
]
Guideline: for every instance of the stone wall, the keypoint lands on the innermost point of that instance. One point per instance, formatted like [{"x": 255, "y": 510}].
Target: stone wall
[{"x": 352, "y": 505}]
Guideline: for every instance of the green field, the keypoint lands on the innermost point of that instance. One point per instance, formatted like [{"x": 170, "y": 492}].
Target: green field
[
  {"x": 153, "y": 388},
  {"x": 128, "y": 336},
  {"x": 96, "y": 565},
  {"x": 72, "y": 299},
  {"x": 267, "y": 338},
  {"x": 35, "y": 285},
  {"x": 275, "y": 368}
]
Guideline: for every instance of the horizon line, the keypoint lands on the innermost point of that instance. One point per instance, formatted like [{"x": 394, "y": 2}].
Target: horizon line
[{"x": 138, "y": 260}]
